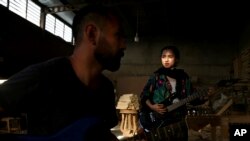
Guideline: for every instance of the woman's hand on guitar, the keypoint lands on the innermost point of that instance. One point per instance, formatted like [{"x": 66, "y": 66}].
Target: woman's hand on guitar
[{"x": 159, "y": 108}]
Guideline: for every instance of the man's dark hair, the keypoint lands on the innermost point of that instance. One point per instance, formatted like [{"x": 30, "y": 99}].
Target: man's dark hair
[
  {"x": 175, "y": 51},
  {"x": 94, "y": 12}
]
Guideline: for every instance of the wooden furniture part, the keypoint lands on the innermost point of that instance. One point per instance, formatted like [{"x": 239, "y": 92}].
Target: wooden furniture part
[
  {"x": 129, "y": 122},
  {"x": 224, "y": 108},
  {"x": 12, "y": 124},
  {"x": 198, "y": 122},
  {"x": 232, "y": 119}
]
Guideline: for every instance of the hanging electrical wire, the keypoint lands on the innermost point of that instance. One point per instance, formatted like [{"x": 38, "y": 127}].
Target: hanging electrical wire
[{"x": 136, "y": 39}]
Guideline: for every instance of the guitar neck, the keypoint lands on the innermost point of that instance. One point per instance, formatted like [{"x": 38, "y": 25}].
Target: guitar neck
[{"x": 183, "y": 102}]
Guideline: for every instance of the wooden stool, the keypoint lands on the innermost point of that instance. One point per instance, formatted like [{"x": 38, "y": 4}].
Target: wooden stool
[{"x": 129, "y": 122}]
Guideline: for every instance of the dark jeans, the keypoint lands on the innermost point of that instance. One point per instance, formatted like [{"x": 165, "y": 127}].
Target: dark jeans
[{"x": 174, "y": 132}]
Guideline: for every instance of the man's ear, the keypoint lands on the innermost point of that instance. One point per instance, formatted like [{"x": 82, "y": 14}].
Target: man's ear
[{"x": 91, "y": 33}]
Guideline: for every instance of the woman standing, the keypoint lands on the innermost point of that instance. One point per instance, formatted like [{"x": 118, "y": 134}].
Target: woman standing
[{"x": 167, "y": 86}]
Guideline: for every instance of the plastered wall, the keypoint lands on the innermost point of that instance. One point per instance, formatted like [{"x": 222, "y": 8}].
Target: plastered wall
[{"x": 206, "y": 61}]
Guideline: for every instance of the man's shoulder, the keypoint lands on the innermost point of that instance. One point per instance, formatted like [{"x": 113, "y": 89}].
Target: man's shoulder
[
  {"x": 50, "y": 64},
  {"x": 56, "y": 61},
  {"x": 45, "y": 67}
]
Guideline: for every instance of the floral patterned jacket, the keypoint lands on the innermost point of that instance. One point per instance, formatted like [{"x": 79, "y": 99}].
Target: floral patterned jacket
[{"x": 159, "y": 90}]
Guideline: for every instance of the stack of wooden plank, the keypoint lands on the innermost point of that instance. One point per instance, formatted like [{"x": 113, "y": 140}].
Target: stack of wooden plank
[
  {"x": 241, "y": 65},
  {"x": 128, "y": 101},
  {"x": 245, "y": 63}
]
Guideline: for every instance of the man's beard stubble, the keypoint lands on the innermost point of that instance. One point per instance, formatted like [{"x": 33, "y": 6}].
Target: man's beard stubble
[{"x": 105, "y": 58}]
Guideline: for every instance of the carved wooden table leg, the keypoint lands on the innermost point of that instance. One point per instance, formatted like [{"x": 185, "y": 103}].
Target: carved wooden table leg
[{"x": 129, "y": 122}]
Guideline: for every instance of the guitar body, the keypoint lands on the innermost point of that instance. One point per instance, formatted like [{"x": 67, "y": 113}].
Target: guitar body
[
  {"x": 151, "y": 120},
  {"x": 86, "y": 129}
]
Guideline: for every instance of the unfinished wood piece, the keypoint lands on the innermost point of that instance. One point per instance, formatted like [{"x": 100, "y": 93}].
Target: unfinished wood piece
[
  {"x": 12, "y": 124},
  {"x": 122, "y": 122},
  {"x": 129, "y": 122},
  {"x": 227, "y": 120},
  {"x": 134, "y": 123},
  {"x": 198, "y": 122},
  {"x": 128, "y": 101},
  {"x": 225, "y": 107}
]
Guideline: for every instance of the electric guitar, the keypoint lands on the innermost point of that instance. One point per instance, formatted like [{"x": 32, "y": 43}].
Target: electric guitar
[
  {"x": 149, "y": 119},
  {"x": 81, "y": 130}
]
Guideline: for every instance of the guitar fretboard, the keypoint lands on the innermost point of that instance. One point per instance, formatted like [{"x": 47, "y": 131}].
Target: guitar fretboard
[{"x": 190, "y": 98}]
